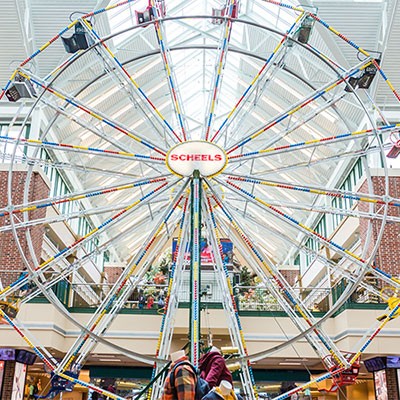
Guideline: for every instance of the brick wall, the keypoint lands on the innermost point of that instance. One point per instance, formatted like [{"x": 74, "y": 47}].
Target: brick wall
[
  {"x": 290, "y": 275},
  {"x": 10, "y": 257},
  {"x": 112, "y": 273},
  {"x": 391, "y": 381},
  {"x": 388, "y": 255},
  {"x": 8, "y": 379}
]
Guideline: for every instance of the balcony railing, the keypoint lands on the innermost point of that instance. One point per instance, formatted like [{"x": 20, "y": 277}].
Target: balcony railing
[{"x": 152, "y": 297}]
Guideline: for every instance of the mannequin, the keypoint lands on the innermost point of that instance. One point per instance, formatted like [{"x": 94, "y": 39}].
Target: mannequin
[
  {"x": 180, "y": 382},
  {"x": 222, "y": 392},
  {"x": 213, "y": 368},
  {"x": 225, "y": 388},
  {"x": 215, "y": 349},
  {"x": 176, "y": 355}
]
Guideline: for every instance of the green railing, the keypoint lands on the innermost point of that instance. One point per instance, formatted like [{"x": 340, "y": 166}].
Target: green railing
[{"x": 251, "y": 301}]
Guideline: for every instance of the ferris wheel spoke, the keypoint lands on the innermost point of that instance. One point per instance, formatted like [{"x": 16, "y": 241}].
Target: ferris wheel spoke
[
  {"x": 172, "y": 298},
  {"x": 281, "y": 300},
  {"x": 117, "y": 302},
  {"x": 301, "y": 104},
  {"x": 309, "y": 232},
  {"x": 301, "y": 121},
  {"x": 282, "y": 291},
  {"x": 265, "y": 68},
  {"x": 229, "y": 304},
  {"x": 89, "y": 256},
  {"x": 93, "y": 233},
  {"x": 84, "y": 213},
  {"x": 32, "y": 56},
  {"x": 121, "y": 80},
  {"x": 219, "y": 68},
  {"x": 107, "y": 306},
  {"x": 129, "y": 79},
  {"x": 351, "y": 361},
  {"x": 64, "y": 268},
  {"x": 169, "y": 69},
  {"x": 318, "y": 255},
  {"x": 304, "y": 333},
  {"x": 358, "y": 48},
  {"x": 85, "y": 194},
  {"x": 319, "y": 190},
  {"x": 311, "y": 144},
  {"x": 347, "y": 362},
  {"x": 70, "y": 166},
  {"x": 23, "y": 333},
  {"x": 61, "y": 110},
  {"x": 90, "y": 111},
  {"x": 320, "y": 209},
  {"x": 321, "y": 160},
  {"x": 65, "y": 147},
  {"x": 25, "y": 337},
  {"x": 246, "y": 214},
  {"x": 250, "y": 108}
]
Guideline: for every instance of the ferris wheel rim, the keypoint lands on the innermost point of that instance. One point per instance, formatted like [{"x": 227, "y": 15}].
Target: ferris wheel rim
[
  {"x": 386, "y": 177},
  {"x": 66, "y": 66}
]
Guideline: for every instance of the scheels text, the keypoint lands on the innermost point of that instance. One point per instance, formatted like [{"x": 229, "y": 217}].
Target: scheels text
[{"x": 196, "y": 157}]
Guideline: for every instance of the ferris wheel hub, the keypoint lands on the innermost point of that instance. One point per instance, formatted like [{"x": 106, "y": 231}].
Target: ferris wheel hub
[{"x": 206, "y": 157}]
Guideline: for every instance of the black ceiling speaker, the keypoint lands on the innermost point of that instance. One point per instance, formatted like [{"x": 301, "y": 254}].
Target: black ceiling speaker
[{"x": 80, "y": 40}]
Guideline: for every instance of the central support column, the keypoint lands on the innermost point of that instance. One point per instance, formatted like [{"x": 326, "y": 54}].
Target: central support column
[{"x": 195, "y": 264}]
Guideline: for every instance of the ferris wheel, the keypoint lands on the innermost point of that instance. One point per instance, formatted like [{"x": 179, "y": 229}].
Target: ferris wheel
[{"x": 185, "y": 125}]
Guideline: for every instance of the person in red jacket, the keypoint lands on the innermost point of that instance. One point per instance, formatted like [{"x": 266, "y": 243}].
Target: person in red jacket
[{"x": 213, "y": 368}]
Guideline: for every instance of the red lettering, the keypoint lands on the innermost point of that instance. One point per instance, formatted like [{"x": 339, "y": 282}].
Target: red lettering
[{"x": 196, "y": 157}]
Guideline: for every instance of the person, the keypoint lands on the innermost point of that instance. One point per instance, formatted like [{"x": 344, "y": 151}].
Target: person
[
  {"x": 111, "y": 388},
  {"x": 224, "y": 391},
  {"x": 150, "y": 302},
  {"x": 160, "y": 303},
  {"x": 141, "y": 300},
  {"x": 307, "y": 394},
  {"x": 95, "y": 396},
  {"x": 23, "y": 291},
  {"x": 32, "y": 390},
  {"x": 206, "y": 254},
  {"x": 315, "y": 307},
  {"x": 213, "y": 368},
  {"x": 184, "y": 385},
  {"x": 286, "y": 387}
]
